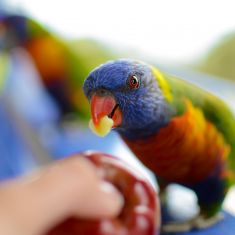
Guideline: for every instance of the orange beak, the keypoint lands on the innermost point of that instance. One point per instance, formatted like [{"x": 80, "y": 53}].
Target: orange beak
[{"x": 105, "y": 106}]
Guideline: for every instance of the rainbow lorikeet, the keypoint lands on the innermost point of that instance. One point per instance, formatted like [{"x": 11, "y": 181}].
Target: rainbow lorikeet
[
  {"x": 62, "y": 64},
  {"x": 182, "y": 133}
]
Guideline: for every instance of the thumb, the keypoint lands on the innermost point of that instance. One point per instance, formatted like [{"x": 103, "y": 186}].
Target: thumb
[{"x": 71, "y": 187}]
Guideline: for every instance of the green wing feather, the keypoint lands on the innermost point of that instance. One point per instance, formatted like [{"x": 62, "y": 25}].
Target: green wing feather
[{"x": 214, "y": 109}]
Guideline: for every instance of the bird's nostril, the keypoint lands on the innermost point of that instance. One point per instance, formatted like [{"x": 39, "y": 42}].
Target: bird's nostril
[{"x": 102, "y": 92}]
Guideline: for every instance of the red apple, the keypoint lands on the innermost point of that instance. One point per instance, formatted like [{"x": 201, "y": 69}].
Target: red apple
[{"x": 140, "y": 214}]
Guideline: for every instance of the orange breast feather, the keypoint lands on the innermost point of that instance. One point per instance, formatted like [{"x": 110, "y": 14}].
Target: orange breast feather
[{"x": 185, "y": 151}]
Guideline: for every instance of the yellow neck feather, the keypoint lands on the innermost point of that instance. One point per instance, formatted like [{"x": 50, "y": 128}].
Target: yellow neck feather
[{"x": 164, "y": 86}]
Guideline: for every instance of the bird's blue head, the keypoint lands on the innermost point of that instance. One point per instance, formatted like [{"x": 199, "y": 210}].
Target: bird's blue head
[
  {"x": 18, "y": 30},
  {"x": 128, "y": 92},
  {"x": 14, "y": 31}
]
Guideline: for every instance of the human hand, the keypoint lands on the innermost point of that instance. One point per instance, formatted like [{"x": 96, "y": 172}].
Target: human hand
[
  {"x": 140, "y": 214},
  {"x": 33, "y": 204}
]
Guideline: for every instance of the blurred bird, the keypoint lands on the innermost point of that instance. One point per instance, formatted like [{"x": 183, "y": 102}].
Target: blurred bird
[
  {"x": 62, "y": 64},
  {"x": 182, "y": 133}
]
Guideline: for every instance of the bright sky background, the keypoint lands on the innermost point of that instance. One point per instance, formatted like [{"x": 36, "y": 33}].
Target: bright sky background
[{"x": 172, "y": 30}]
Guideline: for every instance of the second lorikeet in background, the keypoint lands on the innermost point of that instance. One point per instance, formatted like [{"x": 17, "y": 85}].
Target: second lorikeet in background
[
  {"x": 62, "y": 64},
  {"x": 182, "y": 133}
]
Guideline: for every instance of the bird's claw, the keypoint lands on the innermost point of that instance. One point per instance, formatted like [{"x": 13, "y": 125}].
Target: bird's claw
[{"x": 199, "y": 222}]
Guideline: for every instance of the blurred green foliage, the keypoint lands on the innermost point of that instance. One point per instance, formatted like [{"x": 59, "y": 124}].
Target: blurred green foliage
[
  {"x": 220, "y": 60},
  {"x": 4, "y": 63},
  {"x": 92, "y": 53}
]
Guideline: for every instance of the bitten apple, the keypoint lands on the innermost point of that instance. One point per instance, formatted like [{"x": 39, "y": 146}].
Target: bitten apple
[{"x": 140, "y": 214}]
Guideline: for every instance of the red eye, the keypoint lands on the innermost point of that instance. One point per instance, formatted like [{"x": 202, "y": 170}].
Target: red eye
[{"x": 134, "y": 82}]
